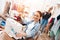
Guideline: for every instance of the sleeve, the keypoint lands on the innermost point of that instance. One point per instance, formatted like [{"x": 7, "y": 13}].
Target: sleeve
[{"x": 33, "y": 31}]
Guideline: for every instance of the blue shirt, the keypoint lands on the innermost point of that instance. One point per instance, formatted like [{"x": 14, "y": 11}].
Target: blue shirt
[{"x": 32, "y": 29}]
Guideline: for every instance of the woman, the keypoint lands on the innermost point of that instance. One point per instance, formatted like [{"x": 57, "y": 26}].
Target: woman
[
  {"x": 45, "y": 17},
  {"x": 32, "y": 27}
]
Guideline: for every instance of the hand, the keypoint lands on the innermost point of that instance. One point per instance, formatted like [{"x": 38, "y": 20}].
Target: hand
[
  {"x": 19, "y": 35},
  {"x": 23, "y": 33}
]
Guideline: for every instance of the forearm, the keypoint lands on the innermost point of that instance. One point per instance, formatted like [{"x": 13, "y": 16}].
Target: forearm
[
  {"x": 2, "y": 16},
  {"x": 22, "y": 34}
]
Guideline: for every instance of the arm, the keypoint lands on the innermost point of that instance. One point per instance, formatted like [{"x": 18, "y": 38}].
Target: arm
[
  {"x": 35, "y": 30},
  {"x": 32, "y": 32},
  {"x": 2, "y": 16}
]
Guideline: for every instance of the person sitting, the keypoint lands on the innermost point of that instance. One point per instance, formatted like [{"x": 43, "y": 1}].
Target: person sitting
[{"x": 32, "y": 27}]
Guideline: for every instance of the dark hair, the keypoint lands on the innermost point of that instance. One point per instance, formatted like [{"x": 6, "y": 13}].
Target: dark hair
[
  {"x": 58, "y": 17},
  {"x": 39, "y": 13}
]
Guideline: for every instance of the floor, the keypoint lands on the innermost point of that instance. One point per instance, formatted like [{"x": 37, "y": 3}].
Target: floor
[{"x": 43, "y": 36}]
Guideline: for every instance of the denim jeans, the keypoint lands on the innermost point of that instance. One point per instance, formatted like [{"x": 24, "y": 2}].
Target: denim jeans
[{"x": 43, "y": 24}]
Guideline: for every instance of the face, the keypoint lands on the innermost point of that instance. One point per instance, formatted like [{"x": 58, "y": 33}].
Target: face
[
  {"x": 25, "y": 14},
  {"x": 20, "y": 8},
  {"x": 36, "y": 16}
]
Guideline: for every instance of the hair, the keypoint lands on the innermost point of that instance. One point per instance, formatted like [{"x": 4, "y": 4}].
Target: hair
[
  {"x": 58, "y": 17},
  {"x": 39, "y": 13}
]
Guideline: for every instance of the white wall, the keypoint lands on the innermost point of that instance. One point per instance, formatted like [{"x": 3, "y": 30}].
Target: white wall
[
  {"x": 2, "y": 4},
  {"x": 33, "y": 4},
  {"x": 40, "y": 4}
]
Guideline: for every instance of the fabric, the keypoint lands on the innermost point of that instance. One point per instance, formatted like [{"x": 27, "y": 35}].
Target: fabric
[
  {"x": 51, "y": 20},
  {"x": 13, "y": 13},
  {"x": 12, "y": 27},
  {"x": 2, "y": 22},
  {"x": 57, "y": 37},
  {"x": 44, "y": 23},
  {"x": 32, "y": 29},
  {"x": 55, "y": 27},
  {"x": 46, "y": 15},
  {"x": 18, "y": 19}
]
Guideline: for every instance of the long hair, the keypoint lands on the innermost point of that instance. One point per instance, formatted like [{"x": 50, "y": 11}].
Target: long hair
[{"x": 39, "y": 13}]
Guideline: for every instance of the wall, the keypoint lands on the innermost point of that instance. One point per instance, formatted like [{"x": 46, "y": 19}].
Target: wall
[{"x": 33, "y": 5}]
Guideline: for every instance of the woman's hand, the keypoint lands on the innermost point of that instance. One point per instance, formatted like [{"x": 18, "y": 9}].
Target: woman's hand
[
  {"x": 19, "y": 35},
  {"x": 23, "y": 33}
]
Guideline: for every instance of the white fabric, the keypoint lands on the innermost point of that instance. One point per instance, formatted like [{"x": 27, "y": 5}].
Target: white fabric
[
  {"x": 10, "y": 23},
  {"x": 13, "y": 13}
]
